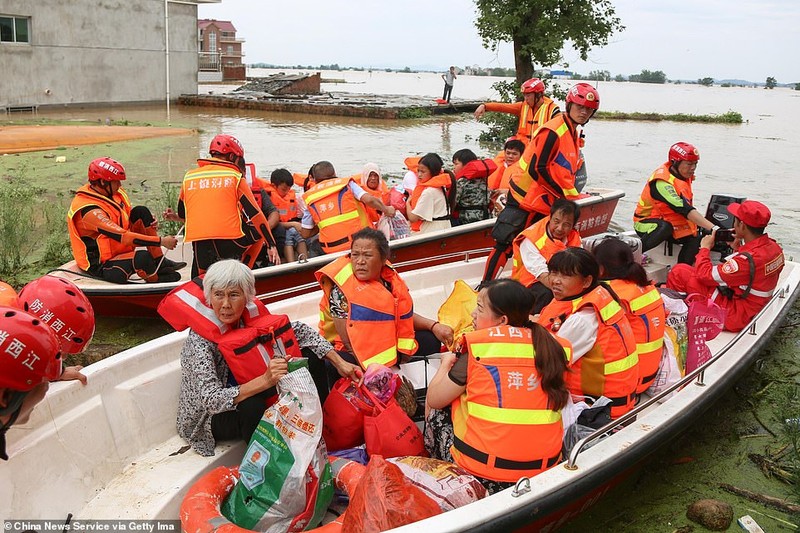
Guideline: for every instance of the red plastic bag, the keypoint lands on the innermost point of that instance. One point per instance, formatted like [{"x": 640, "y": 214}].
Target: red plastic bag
[
  {"x": 385, "y": 499},
  {"x": 343, "y": 416},
  {"x": 388, "y": 431},
  {"x": 704, "y": 322}
]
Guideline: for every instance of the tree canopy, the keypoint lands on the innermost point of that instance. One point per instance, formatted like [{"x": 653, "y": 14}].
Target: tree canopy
[{"x": 539, "y": 29}]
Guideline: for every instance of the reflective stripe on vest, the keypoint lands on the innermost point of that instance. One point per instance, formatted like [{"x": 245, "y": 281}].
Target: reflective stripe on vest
[{"x": 505, "y": 415}]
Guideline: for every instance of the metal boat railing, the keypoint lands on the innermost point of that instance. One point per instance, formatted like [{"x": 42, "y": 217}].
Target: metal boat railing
[{"x": 698, "y": 373}]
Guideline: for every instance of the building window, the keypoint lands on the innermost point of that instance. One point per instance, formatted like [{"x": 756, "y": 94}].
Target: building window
[
  {"x": 230, "y": 50},
  {"x": 212, "y": 41},
  {"x": 14, "y": 29}
]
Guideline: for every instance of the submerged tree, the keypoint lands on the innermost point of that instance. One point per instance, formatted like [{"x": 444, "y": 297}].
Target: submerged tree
[
  {"x": 708, "y": 82},
  {"x": 771, "y": 83},
  {"x": 540, "y": 28}
]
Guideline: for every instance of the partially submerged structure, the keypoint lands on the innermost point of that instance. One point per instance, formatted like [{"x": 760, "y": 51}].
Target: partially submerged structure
[{"x": 96, "y": 51}]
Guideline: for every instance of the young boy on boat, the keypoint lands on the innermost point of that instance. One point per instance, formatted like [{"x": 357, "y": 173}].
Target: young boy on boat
[{"x": 287, "y": 232}]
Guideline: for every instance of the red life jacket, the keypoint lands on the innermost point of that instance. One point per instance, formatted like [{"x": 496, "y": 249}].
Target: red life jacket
[
  {"x": 478, "y": 168},
  {"x": 248, "y": 349}
]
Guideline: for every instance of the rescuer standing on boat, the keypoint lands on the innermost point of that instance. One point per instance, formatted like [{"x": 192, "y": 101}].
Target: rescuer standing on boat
[
  {"x": 534, "y": 110},
  {"x": 223, "y": 218},
  {"x": 549, "y": 165}
]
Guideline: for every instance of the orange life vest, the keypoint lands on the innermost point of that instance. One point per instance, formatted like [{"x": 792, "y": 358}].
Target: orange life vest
[
  {"x": 248, "y": 349},
  {"x": 286, "y": 205},
  {"x": 611, "y": 367},
  {"x": 336, "y": 212},
  {"x": 645, "y": 311},
  {"x": 382, "y": 193},
  {"x": 649, "y": 207},
  {"x": 538, "y": 197},
  {"x": 529, "y": 122},
  {"x": 548, "y": 247},
  {"x": 212, "y": 187},
  {"x": 380, "y": 323},
  {"x": 118, "y": 210},
  {"x": 442, "y": 181},
  {"x": 503, "y": 429}
]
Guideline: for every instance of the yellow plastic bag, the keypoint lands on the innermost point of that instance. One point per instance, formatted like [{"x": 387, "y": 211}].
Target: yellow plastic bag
[{"x": 456, "y": 311}]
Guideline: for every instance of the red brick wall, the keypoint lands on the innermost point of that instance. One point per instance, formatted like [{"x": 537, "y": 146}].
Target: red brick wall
[{"x": 237, "y": 73}]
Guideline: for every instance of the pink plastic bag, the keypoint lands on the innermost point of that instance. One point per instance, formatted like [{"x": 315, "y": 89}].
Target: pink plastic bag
[{"x": 704, "y": 322}]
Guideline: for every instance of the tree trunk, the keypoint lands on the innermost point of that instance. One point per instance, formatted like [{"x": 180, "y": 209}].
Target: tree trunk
[{"x": 523, "y": 62}]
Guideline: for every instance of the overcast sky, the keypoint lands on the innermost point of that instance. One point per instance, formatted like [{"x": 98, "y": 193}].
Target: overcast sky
[{"x": 687, "y": 39}]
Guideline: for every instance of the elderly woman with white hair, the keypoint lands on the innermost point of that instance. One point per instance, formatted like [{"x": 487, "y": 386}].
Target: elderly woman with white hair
[{"x": 211, "y": 405}]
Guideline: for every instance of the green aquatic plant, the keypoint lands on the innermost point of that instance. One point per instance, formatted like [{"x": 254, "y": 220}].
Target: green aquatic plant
[
  {"x": 731, "y": 117},
  {"x": 414, "y": 112}
]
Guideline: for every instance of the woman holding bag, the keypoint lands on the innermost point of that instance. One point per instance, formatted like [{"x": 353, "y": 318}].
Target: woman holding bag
[
  {"x": 212, "y": 405},
  {"x": 505, "y": 391}
]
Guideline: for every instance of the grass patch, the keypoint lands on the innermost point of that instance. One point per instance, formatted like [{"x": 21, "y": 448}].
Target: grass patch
[
  {"x": 731, "y": 117},
  {"x": 414, "y": 112}
]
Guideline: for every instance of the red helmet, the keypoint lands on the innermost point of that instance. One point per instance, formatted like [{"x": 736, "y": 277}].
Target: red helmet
[
  {"x": 683, "y": 152},
  {"x": 60, "y": 304},
  {"x": 533, "y": 85},
  {"x": 585, "y": 95},
  {"x": 106, "y": 169},
  {"x": 29, "y": 351},
  {"x": 8, "y": 296},
  {"x": 226, "y": 144}
]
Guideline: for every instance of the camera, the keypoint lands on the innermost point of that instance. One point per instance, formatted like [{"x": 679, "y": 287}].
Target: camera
[{"x": 723, "y": 235}]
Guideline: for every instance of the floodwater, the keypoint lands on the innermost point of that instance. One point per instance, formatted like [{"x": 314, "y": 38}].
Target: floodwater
[{"x": 756, "y": 159}]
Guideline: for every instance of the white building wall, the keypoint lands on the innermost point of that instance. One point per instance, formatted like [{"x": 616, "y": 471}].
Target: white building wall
[{"x": 98, "y": 52}]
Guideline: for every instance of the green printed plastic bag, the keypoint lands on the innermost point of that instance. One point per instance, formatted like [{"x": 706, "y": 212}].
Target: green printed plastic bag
[{"x": 285, "y": 482}]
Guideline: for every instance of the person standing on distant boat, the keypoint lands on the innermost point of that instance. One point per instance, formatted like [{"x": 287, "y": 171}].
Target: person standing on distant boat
[
  {"x": 745, "y": 282},
  {"x": 449, "y": 78},
  {"x": 549, "y": 165},
  {"x": 104, "y": 230},
  {"x": 534, "y": 110},
  {"x": 665, "y": 211}
]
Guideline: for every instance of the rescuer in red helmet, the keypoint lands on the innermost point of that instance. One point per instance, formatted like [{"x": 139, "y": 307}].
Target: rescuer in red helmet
[
  {"x": 665, "y": 210},
  {"x": 549, "y": 165},
  {"x": 29, "y": 359},
  {"x": 534, "y": 110},
  {"x": 223, "y": 218},
  {"x": 104, "y": 230}
]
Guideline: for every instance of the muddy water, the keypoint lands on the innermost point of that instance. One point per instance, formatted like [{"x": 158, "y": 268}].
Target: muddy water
[{"x": 756, "y": 159}]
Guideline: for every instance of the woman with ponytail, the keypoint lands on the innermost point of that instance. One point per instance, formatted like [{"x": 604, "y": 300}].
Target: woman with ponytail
[
  {"x": 501, "y": 397},
  {"x": 584, "y": 312},
  {"x": 640, "y": 300}
]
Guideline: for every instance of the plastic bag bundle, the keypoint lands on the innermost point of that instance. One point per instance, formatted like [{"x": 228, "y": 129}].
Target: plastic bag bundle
[
  {"x": 285, "y": 482},
  {"x": 705, "y": 321},
  {"x": 381, "y": 381},
  {"x": 669, "y": 370},
  {"x": 385, "y": 499},
  {"x": 449, "y": 485},
  {"x": 396, "y": 227},
  {"x": 456, "y": 311}
]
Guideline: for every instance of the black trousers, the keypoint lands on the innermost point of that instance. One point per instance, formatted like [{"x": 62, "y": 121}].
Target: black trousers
[
  {"x": 448, "y": 90},
  {"x": 690, "y": 244}
]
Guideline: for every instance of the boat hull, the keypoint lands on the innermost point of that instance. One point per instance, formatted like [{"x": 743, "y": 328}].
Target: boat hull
[{"x": 142, "y": 299}]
